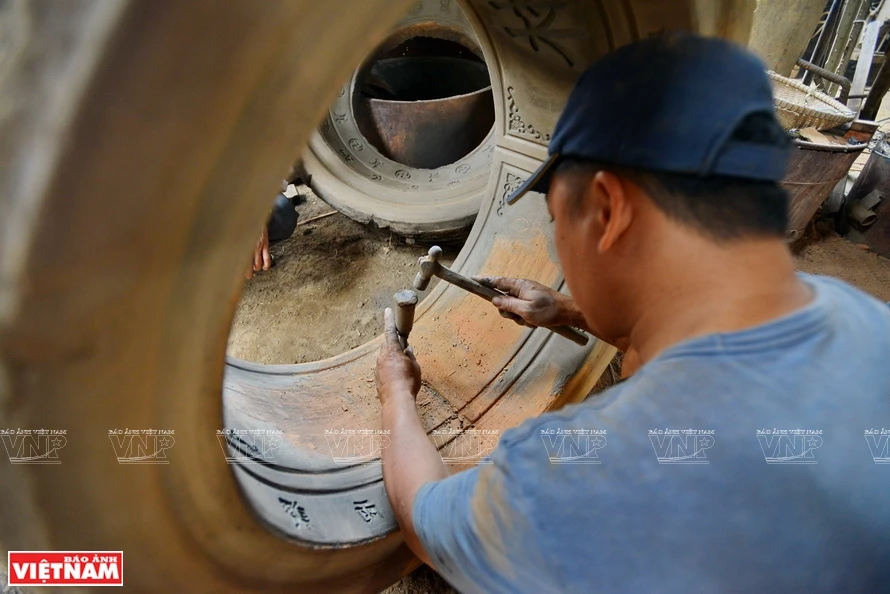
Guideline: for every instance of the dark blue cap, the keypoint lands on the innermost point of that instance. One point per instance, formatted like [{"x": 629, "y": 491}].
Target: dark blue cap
[{"x": 669, "y": 103}]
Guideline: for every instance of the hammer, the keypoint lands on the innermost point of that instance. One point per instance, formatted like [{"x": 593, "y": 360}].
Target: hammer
[
  {"x": 405, "y": 300},
  {"x": 430, "y": 267}
]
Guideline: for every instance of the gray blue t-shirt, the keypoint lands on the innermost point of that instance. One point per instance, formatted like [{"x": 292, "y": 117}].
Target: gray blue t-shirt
[{"x": 754, "y": 461}]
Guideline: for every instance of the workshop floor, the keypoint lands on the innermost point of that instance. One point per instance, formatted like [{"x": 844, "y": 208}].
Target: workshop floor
[
  {"x": 326, "y": 292},
  {"x": 333, "y": 278}
]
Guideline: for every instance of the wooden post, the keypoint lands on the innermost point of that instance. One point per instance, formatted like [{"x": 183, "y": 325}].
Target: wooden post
[
  {"x": 866, "y": 55},
  {"x": 876, "y": 94},
  {"x": 844, "y": 29},
  {"x": 852, "y": 40}
]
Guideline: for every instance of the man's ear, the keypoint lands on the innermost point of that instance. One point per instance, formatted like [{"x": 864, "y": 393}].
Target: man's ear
[{"x": 615, "y": 208}]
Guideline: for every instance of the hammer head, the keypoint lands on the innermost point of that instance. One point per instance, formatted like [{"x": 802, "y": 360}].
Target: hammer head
[
  {"x": 421, "y": 282},
  {"x": 429, "y": 265},
  {"x": 405, "y": 298}
]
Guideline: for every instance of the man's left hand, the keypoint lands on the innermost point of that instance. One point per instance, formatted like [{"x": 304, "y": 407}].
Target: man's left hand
[{"x": 397, "y": 373}]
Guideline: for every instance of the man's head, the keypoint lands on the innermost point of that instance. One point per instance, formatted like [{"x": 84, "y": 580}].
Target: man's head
[{"x": 665, "y": 144}]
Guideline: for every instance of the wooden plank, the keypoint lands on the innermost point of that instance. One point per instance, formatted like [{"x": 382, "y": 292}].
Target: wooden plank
[{"x": 866, "y": 55}]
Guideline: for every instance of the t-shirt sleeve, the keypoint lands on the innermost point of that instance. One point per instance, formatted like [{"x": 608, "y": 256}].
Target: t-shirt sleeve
[
  {"x": 472, "y": 530},
  {"x": 443, "y": 523}
]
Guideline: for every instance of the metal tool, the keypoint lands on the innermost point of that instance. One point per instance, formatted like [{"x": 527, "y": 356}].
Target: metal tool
[
  {"x": 406, "y": 300},
  {"x": 430, "y": 267}
]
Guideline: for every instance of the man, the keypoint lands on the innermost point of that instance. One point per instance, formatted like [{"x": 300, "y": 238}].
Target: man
[{"x": 669, "y": 225}]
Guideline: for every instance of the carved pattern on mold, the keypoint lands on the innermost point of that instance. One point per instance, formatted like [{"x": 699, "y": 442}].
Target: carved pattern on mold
[
  {"x": 516, "y": 123},
  {"x": 367, "y": 511},
  {"x": 511, "y": 184},
  {"x": 535, "y": 21}
]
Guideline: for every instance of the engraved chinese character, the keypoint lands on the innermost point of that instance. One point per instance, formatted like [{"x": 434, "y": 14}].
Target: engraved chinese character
[
  {"x": 296, "y": 512},
  {"x": 368, "y": 511}
]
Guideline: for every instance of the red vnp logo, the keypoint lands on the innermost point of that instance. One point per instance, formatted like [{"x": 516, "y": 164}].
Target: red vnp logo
[{"x": 66, "y": 568}]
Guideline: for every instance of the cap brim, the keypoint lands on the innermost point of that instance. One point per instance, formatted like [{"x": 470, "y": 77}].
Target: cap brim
[{"x": 539, "y": 181}]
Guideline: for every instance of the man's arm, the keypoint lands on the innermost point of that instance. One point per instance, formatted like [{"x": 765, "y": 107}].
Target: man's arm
[{"x": 411, "y": 460}]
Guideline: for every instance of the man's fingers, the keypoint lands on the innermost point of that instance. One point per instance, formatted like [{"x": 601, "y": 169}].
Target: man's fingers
[
  {"x": 513, "y": 309},
  {"x": 512, "y": 316},
  {"x": 510, "y": 285},
  {"x": 389, "y": 330},
  {"x": 267, "y": 259},
  {"x": 510, "y": 304}
]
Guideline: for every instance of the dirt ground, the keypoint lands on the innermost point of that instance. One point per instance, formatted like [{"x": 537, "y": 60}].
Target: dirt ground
[
  {"x": 326, "y": 292},
  {"x": 835, "y": 256},
  {"x": 333, "y": 278}
]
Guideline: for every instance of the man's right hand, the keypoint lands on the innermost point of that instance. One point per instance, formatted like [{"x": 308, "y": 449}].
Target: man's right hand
[
  {"x": 539, "y": 305},
  {"x": 535, "y": 303}
]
